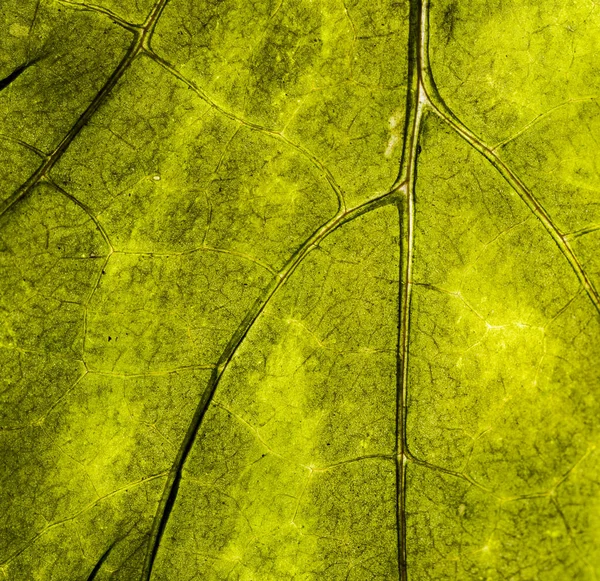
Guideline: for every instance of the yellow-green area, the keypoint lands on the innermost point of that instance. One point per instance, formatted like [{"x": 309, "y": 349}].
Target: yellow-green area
[{"x": 299, "y": 290}]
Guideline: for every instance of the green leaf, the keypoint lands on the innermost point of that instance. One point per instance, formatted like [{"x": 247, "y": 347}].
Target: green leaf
[{"x": 299, "y": 291}]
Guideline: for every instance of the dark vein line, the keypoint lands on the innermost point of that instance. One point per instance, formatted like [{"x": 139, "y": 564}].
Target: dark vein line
[
  {"x": 171, "y": 489},
  {"x": 461, "y": 475},
  {"x": 584, "y": 231},
  {"x": 150, "y": 23},
  {"x": 86, "y": 209},
  {"x": 77, "y": 514},
  {"x": 100, "y": 562},
  {"x": 203, "y": 248},
  {"x": 24, "y": 144},
  {"x": 353, "y": 461},
  {"x": 439, "y": 106},
  {"x": 132, "y": 27},
  {"x": 100, "y": 270},
  {"x": 412, "y": 93},
  {"x": 539, "y": 118},
  {"x": 141, "y": 41},
  {"x": 550, "y": 493},
  {"x": 406, "y": 210},
  {"x": 32, "y": 25},
  {"x": 153, "y": 373},
  {"x": 12, "y": 77},
  {"x": 53, "y": 158}
]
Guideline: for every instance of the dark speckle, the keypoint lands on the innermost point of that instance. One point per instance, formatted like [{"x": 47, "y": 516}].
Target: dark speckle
[{"x": 449, "y": 20}]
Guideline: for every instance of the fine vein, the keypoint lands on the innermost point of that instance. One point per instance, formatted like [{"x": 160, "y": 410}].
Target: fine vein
[{"x": 171, "y": 489}]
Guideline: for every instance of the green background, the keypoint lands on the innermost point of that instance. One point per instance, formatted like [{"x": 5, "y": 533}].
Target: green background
[{"x": 299, "y": 290}]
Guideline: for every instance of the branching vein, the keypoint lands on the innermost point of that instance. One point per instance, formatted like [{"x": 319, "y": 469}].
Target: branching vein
[
  {"x": 171, "y": 489},
  {"x": 438, "y": 105}
]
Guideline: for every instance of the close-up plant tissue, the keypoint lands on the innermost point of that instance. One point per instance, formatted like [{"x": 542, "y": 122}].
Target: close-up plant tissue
[{"x": 299, "y": 290}]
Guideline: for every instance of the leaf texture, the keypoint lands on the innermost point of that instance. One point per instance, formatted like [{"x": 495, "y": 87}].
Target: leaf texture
[{"x": 299, "y": 290}]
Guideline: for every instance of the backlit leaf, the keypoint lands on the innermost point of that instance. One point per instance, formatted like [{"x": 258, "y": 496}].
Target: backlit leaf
[{"x": 299, "y": 290}]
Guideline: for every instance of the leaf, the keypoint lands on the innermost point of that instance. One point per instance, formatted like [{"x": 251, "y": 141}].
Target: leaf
[{"x": 299, "y": 290}]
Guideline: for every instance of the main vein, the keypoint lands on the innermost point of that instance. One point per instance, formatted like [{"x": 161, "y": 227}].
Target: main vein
[
  {"x": 171, "y": 489},
  {"x": 422, "y": 94},
  {"x": 407, "y": 177}
]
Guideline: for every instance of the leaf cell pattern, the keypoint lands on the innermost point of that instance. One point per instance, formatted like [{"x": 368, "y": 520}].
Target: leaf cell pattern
[{"x": 299, "y": 290}]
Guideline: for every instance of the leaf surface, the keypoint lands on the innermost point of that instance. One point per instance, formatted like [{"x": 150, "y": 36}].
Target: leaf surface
[{"x": 299, "y": 290}]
